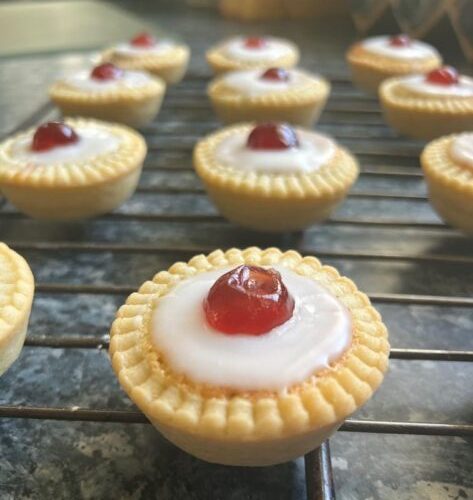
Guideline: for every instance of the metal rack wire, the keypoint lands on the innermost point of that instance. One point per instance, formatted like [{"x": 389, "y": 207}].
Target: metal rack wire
[{"x": 401, "y": 157}]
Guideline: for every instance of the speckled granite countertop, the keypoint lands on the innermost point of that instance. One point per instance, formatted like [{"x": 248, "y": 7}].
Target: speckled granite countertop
[{"x": 380, "y": 237}]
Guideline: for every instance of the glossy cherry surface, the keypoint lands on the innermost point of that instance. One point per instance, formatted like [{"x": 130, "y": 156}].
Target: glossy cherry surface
[
  {"x": 106, "y": 72},
  {"x": 276, "y": 74},
  {"x": 52, "y": 135},
  {"x": 446, "y": 75},
  {"x": 272, "y": 136},
  {"x": 143, "y": 40},
  {"x": 248, "y": 300},
  {"x": 255, "y": 42},
  {"x": 401, "y": 40}
]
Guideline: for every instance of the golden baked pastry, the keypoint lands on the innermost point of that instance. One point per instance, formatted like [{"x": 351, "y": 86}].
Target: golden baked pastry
[
  {"x": 110, "y": 93},
  {"x": 70, "y": 170},
  {"x": 373, "y": 60},
  {"x": 163, "y": 58},
  {"x": 274, "y": 94},
  {"x": 271, "y": 177},
  {"x": 16, "y": 297},
  {"x": 429, "y": 106},
  {"x": 448, "y": 168},
  {"x": 240, "y": 53},
  {"x": 222, "y": 387}
]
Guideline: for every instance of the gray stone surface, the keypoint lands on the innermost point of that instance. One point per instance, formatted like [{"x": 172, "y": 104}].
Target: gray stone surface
[{"x": 72, "y": 460}]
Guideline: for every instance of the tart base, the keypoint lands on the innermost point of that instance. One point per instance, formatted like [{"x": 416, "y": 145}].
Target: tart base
[
  {"x": 450, "y": 185},
  {"x": 248, "y": 454},
  {"x": 75, "y": 202},
  {"x": 16, "y": 297},
  {"x": 268, "y": 214},
  {"x": 11, "y": 348},
  {"x": 132, "y": 110}
]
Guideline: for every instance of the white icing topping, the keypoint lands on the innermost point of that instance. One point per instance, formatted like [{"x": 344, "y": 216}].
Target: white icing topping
[
  {"x": 251, "y": 84},
  {"x": 416, "y": 50},
  {"x": 462, "y": 149},
  {"x": 160, "y": 48},
  {"x": 129, "y": 80},
  {"x": 318, "y": 333},
  {"x": 419, "y": 85},
  {"x": 314, "y": 151},
  {"x": 93, "y": 142},
  {"x": 273, "y": 49}
]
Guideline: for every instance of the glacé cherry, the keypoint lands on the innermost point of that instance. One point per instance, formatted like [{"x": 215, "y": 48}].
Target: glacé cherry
[
  {"x": 106, "y": 71},
  {"x": 446, "y": 75},
  {"x": 52, "y": 135},
  {"x": 276, "y": 74},
  {"x": 272, "y": 136},
  {"x": 255, "y": 42},
  {"x": 143, "y": 40},
  {"x": 248, "y": 300},
  {"x": 401, "y": 40}
]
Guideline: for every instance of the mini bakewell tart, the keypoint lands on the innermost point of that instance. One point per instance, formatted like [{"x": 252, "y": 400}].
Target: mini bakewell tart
[
  {"x": 72, "y": 169},
  {"x": 429, "y": 106},
  {"x": 164, "y": 58},
  {"x": 271, "y": 177},
  {"x": 249, "y": 357},
  {"x": 448, "y": 168},
  {"x": 240, "y": 53},
  {"x": 273, "y": 94},
  {"x": 110, "y": 93},
  {"x": 16, "y": 297},
  {"x": 375, "y": 59}
]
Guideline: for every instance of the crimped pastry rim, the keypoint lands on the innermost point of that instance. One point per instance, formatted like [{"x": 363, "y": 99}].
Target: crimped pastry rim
[
  {"x": 439, "y": 166},
  {"x": 328, "y": 181},
  {"x": 96, "y": 170},
  {"x": 390, "y": 97},
  {"x": 359, "y": 56},
  {"x": 176, "y": 55},
  {"x": 62, "y": 91},
  {"x": 217, "y": 58},
  {"x": 318, "y": 402},
  {"x": 20, "y": 280},
  {"x": 316, "y": 89}
]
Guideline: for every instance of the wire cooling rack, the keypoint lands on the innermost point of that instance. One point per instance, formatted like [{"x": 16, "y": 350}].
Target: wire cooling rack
[{"x": 388, "y": 207}]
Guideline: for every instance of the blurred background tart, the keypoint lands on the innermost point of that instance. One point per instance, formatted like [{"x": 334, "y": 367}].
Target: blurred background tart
[
  {"x": 239, "y": 53},
  {"x": 274, "y": 94},
  {"x": 110, "y": 93},
  {"x": 374, "y": 59},
  {"x": 430, "y": 105},
  {"x": 162, "y": 57}
]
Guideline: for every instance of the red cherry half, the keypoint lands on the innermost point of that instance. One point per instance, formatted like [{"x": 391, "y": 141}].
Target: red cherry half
[
  {"x": 248, "y": 300},
  {"x": 143, "y": 40},
  {"x": 52, "y": 135},
  {"x": 276, "y": 74},
  {"x": 255, "y": 42},
  {"x": 401, "y": 40},
  {"x": 272, "y": 136},
  {"x": 106, "y": 71},
  {"x": 446, "y": 75}
]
